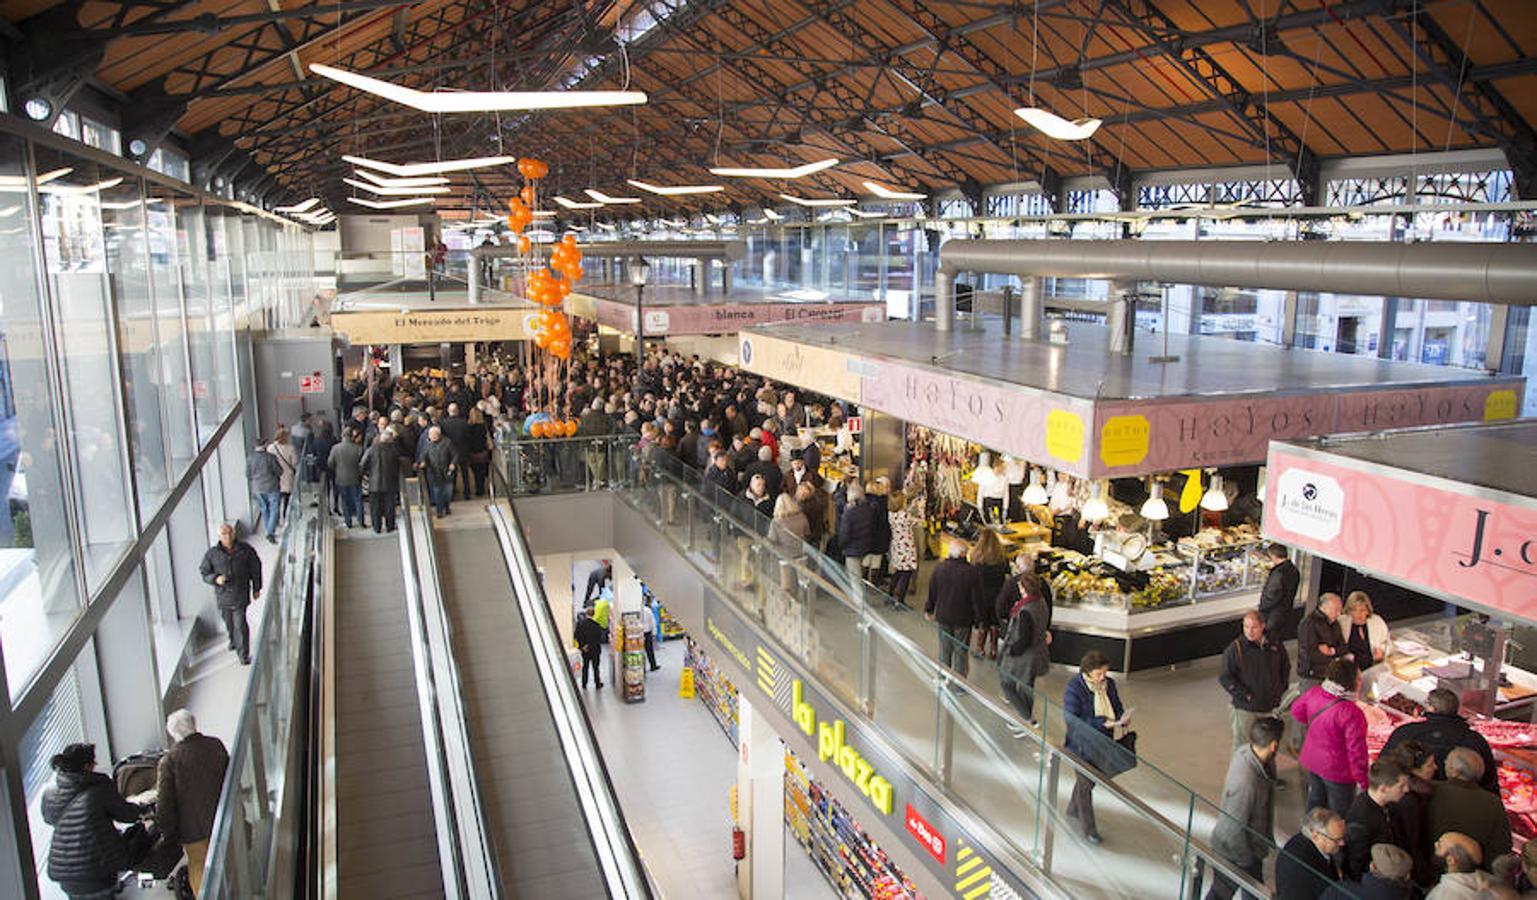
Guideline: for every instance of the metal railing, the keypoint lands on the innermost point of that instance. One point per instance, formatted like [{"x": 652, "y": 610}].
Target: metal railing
[{"x": 955, "y": 731}]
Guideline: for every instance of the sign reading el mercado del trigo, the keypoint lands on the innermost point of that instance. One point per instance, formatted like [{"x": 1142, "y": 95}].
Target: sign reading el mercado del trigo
[{"x": 438, "y": 326}]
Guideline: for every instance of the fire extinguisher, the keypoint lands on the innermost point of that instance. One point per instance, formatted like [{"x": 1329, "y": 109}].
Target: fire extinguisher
[{"x": 738, "y": 844}]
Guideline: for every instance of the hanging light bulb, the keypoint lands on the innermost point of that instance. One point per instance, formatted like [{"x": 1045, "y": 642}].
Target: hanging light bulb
[
  {"x": 1061, "y": 497},
  {"x": 1096, "y": 509},
  {"x": 1214, "y": 500},
  {"x": 1035, "y": 494},
  {"x": 1154, "y": 508}
]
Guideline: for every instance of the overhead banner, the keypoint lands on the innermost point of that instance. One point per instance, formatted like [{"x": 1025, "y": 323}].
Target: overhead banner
[
  {"x": 724, "y": 318},
  {"x": 1454, "y": 542},
  {"x": 814, "y": 368},
  {"x": 438, "y": 326}
]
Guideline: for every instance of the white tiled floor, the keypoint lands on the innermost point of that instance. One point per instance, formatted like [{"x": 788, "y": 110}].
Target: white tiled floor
[{"x": 673, "y": 768}]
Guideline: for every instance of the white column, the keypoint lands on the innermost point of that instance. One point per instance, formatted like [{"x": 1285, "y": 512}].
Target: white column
[
  {"x": 944, "y": 302},
  {"x": 760, "y": 774}
]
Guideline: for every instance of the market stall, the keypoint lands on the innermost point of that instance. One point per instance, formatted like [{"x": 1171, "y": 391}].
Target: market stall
[
  {"x": 1142, "y": 470},
  {"x": 1450, "y": 513}
]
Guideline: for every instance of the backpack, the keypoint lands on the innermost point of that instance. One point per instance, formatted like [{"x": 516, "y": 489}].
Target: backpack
[{"x": 1021, "y": 634}]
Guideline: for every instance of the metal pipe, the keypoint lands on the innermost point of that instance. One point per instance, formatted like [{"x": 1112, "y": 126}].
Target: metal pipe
[
  {"x": 472, "y": 278},
  {"x": 1032, "y": 308},
  {"x": 944, "y": 299},
  {"x": 1480, "y": 273},
  {"x": 1121, "y": 316},
  {"x": 701, "y": 276}
]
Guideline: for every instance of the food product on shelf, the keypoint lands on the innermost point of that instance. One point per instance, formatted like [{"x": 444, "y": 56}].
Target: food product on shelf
[
  {"x": 1163, "y": 588},
  {"x": 855, "y": 865}
]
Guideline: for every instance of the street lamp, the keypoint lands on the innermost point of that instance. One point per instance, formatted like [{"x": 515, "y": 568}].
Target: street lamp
[{"x": 640, "y": 273}]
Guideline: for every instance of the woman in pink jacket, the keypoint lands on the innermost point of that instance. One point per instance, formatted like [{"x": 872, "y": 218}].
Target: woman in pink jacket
[{"x": 1334, "y": 751}]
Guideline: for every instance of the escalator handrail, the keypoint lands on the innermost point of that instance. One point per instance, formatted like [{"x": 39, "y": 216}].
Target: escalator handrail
[{"x": 624, "y": 873}]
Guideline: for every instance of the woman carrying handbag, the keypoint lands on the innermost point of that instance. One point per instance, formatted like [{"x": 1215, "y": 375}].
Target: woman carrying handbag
[{"x": 1096, "y": 732}]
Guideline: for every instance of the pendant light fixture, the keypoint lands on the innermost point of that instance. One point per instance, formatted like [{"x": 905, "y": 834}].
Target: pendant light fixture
[
  {"x": 817, "y": 201},
  {"x": 382, "y": 181},
  {"x": 1054, "y": 126},
  {"x": 677, "y": 190},
  {"x": 391, "y": 204},
  {"x": 1096, "y": 509},
  {"x": 866, "y": 214},
  {"x": 1214, "y": 500},
  {"x": 573, "y": 204},
  {"x": 606, "y": 200},
  {"x": 772, "y": 216},
  {"x": 1034, "y": 494},
  {"x": 477, "y": 101},
  {"x": 304, "y": 206},
  {"x": 1154, "y": 508},
  {"x": 394, "y": 191},
  {"x": 442, "y": 166},
  {"x": 886, "y": 193},
  {"x": 810, "y": 168}
]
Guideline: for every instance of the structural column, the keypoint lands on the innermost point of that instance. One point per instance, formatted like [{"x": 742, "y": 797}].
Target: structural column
[
  {"x": 944, "y": 301},
  {"x": 760, "y": 795},
  {"x": 1032, "y": 307},
  {"x": 1121, "y": 315}
]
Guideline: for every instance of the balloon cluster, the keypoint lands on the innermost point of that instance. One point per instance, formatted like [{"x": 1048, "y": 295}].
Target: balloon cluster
[{"x": 553, "y": 429}]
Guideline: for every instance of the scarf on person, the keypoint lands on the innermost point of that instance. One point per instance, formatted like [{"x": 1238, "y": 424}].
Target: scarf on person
[
  {"x": 1335, "y": 690},
  {"x": 1102, "y": 705}
]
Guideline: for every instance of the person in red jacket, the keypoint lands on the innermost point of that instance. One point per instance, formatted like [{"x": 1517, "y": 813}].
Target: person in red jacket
[{"x": 1334, "y": 751}]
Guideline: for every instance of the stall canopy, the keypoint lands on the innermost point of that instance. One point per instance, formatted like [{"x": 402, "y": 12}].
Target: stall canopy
[
  {"x": 1450, "y": 512},
  {"x": 1080, "y": 408}
]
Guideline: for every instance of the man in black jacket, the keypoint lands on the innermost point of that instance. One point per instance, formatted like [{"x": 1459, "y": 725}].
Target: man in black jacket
[
  {"x": 1444, "y": 730},
  {"x": 1279, "y": 594},
  {"x": 456, "y": 427},
  {"x": 590, "y": 637},
  {"x": 773, "y": 477},
  {"x": 381, "y": 463},
  {"x": 1306, "y": 868},
  {"x": 189, "y": 780},
  {"x": 1368, "y": 822},
  {"x": 235, "y": 571},
  {"x": 954, "y": 604},
  {"x": 438, "y": 460},
  {"x": 1319, "y": 641},
  {"x": 1255, "y": 673}
]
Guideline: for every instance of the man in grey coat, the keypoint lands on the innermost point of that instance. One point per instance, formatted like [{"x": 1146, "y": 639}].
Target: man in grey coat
[
  {"x": 264, "y": 474},
  {"x": 1243, "y": 832},
  {"x": 345, "y": 463}
]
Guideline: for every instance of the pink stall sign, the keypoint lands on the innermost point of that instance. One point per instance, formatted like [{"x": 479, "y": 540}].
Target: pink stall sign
[
  {"x": 725, "y": 318},
  {"x": 1444, "y": 539}
]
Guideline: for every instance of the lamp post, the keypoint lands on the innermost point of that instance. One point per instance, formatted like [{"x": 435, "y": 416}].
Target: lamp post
[{"x": 640, "y": 273}]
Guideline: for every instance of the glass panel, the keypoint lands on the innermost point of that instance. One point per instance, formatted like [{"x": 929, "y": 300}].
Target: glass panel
[
  {"x": 38, "y": 592},
  {"x": 172, "y": 375},
  {"x": 190, "y": 537},
  {"x": 75, "y": 251},
  {"x": 197, "y": 285},
  {"x": 61, "y": 722}
]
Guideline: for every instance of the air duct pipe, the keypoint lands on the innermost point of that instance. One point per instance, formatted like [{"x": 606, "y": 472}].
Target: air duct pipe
[
  {"x": 1479, "y": 273},
  {"x": 727, "y": 252}
]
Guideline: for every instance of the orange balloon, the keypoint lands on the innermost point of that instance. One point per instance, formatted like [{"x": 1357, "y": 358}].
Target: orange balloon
[
  {"x": 527, "y": 195},
  {"x": 560, "y": 348},
  {"x": 533, "y": 169},
  {"x": 571, "y": 426},
  {"x": 536, "y": 430},
  {"x": 569, "y": 240},
  {"x": 542, "y": 339},
  {"x": 524, "y": 244}
]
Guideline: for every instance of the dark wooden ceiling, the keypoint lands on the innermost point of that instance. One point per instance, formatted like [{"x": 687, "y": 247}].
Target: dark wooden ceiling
[{"x": 917, "y": 94}]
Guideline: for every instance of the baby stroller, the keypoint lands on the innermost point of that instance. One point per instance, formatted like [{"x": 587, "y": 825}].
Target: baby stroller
[{"x": 151, "y": 857}]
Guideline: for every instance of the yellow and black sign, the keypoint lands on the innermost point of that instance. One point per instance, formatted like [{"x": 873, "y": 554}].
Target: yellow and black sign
[{"x": 686, "y": 684}]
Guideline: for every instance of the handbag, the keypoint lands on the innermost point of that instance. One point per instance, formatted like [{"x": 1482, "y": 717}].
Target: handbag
[{"x": 1117, "y": 756}]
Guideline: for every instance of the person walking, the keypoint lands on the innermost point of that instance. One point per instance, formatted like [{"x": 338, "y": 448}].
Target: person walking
[
  {"x": 903, "y": 525},
  {"x": 597, "y": 579},
  {"x": 955, "y": 596},
  {"x": 1369, "y": 822},
  {"x": 235, "y": 571},
  {"x": 287, "y": 455},
  {"x": 437, "y": 459},
  {"x": 1095, "y": 719},
  {"x": 590, "y": 638},
  {"x": 264, "y": 475},
  {"x": 188, "y": 783},
  {"x": 1242, "y": 834},
  {"x": 381, "y": 462},
  {"x": 1279, "y": 594},
  {"x": 648, "y": 622},
  {"x": 1024, "y": 606},
  {"x": 1255, "y": 673},
  {"x": 477, "y": 450},
  {"x": 1305, "y": 869},
  {"x": 1334, "y": 751},
  {"x": 87, "y": 852},
  {"x": 345, "y": 465},
  {"x": 987, "y": 555}
]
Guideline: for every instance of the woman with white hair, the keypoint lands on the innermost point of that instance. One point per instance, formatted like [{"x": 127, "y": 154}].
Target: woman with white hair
[{"x": 190, "y": 779}]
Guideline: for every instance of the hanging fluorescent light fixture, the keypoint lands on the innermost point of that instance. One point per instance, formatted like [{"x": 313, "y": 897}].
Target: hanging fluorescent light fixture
[
  {"x": 606, "y": 200},
  {"x": 477, "y": 101},
  {"x": 607, "y": 227},
  {"x": 78, "y": 189},
  {"x": 886, "y": 193},
  {"x": 572, "y": 204},
  {"x": 810, "y": 168},
  {"x": 306, "y": 206},
  {"x": 1214, "y": 500},
  {"x": 1054, "y": 126},
  {"x": 411, "y": 170},
  {"x": 817, "y": 201},
  {"x": 866, "y": 214},
  {"x": 381, "y": 181},
  {"x": 1035, "y": 492},
  {"x": 544, "y": 214},
  {"x": 712, "y": 218},
  {"x": 677, "y": 190},
  {"x": 772, "y": 216},
  {"x": 393, "y": 191},
  {"x": 19, "y": 182},
  {"x": 391, "y": 204},
  {"x": 673, "y": 223}
]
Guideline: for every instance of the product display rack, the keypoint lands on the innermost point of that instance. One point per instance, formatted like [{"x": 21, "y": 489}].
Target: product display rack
[
  {"x": 672, "y": 629},
  {"x": 852, "y": 862},
  {"x": 633, "y": 658},
  {"x": 713, "y": 689}
]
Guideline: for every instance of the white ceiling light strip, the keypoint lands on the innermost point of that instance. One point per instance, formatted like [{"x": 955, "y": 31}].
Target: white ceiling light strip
[
  {"x": 772, "y": 216},
  {"x": 886, "y": 193},
  {"x": 478, "y": 101},
  {"x": 382, "y": 181},
  {"x": 573, "y": 204},
  {"x": 391, "y": 204},
  {"x": 306, "y": 206},
  {"x": 607, "y": 200},
  {"x": 1054, "y": 126},
  {"x": 393, "y": 191},
  {"x": 816, "y": 201},
  {"x": 411, "y": 170},
  {"x": 810, "y": 168},
  {"x": 677, "y": 190}
]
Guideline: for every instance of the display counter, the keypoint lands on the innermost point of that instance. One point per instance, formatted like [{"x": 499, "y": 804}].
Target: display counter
[{"x": 1452, "y": 653}]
